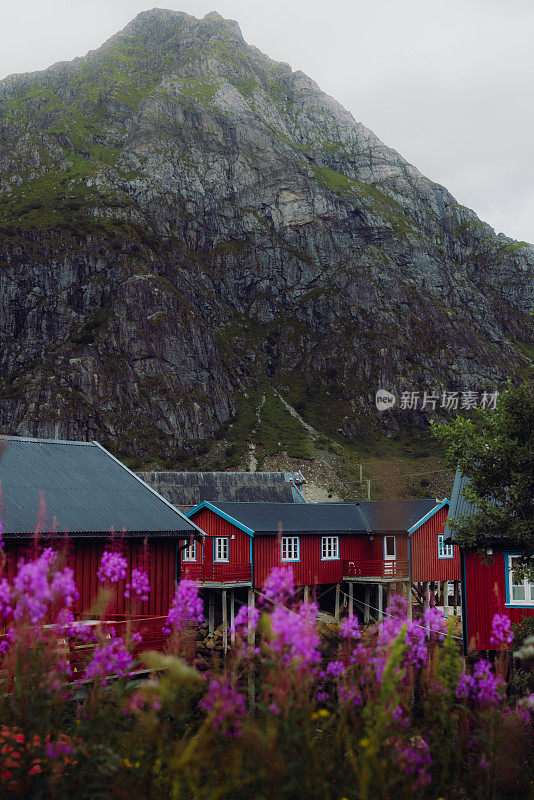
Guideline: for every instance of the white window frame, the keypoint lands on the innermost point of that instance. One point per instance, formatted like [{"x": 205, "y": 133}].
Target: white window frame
[
  {"x": 221, "y": 550},
  {"x": 444, "y": 550},
  {"x": 394, "y": 556},
  {"x": 330, "y": 548},
  {"x": 290, "y": 548},
  {"x": 190, "y": 552},
  {"x": 527, "y": 585}
]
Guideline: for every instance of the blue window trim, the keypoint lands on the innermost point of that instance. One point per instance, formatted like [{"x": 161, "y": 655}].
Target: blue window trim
[
  {"x": 189, "y": 560},
  {"x": 389, "y": 558},
  {"x": 431, "y": 513},
  {"x": 289, "y": 560},
  {"x": 221, "y": 560},
  {"x": 512, "y": 603},
  {"x": 334, "y": 558},
  {"x": 227, "y": 517},
  {"x": 445, "y": 545}
]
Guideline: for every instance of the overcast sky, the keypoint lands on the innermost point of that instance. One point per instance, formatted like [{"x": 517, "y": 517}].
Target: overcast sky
[{"x": 447, "y": 83}]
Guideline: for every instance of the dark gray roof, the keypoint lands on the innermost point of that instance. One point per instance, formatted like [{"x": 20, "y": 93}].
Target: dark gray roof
[
  {"x": 85, "y": 489},
  {"x": 459, "y": 506},
  {"x": 188, "y": 489},
  {"x": 395, "y": 515},
  {"x": 264, "y": 518}
]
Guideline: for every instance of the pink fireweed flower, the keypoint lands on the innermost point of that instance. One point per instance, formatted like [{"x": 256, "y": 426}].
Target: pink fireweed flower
[
  {"x": 416, "y": 649},
  {"x": 5, "y": 597},
  {"x": 36, "y": 585},
  {"x": 501, "y": 633},
  {"x": 349, "y": 694},
  {"x": 109, "y": 658},
  {"x": 350, "y": 628},
  {"x": 186, "y": 607},
  {"x": 482, "y": 687},
  {"x": 435, "y": 623},
  {"x": 245, "y": 620},
  {"x": 335, "y": 669},
  {"x": 414, "y": 760},
  {"x": 139, "y": 585},
  {"x": 295, "y": 634},
  {"x": 279, "y": 585},
  {"x": 113, "y": 567},
  {"x": 227, "y": 705}
]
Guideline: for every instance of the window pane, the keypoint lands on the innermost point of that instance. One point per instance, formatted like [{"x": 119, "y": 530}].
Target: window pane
[
  {"x": 518, "y": 591},
  {"x": 390, "y": 545}
]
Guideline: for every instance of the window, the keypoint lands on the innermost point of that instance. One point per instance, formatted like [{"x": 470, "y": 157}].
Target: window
[
  {"x": 519, "y": 590},
  {"x": 390, "y": 548},
  {"x": 220, "y": 552},
  {"x": 190, "y": 552},
  {"x": 444, "y": 550},
  {"x": 330, "y": 548},
  {"x": 289, "y": 548}
]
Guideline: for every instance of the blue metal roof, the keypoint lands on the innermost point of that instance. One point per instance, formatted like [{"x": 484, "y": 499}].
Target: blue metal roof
[
  {"x": 86, "y": 490},
  {"x": 266, "y": 518}
]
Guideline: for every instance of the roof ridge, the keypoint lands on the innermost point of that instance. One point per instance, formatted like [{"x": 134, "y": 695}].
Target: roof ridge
[{"x": 7, "y": 437}]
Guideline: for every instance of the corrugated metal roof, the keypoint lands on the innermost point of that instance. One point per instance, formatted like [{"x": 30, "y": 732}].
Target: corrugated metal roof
[
  {"x": 459, "y": 506},
  {"x": 265, "y": 518},
  {"x": 394, "y": 515},
  {"x": 85, "y": 489},
  {"x": 191, "y": 488}
]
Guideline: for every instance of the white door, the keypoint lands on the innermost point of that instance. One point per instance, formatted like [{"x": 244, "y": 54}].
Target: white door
[{"x": 390, "y": 548}]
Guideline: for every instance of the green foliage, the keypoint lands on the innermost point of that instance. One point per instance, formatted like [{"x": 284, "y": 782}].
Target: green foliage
[{"x": 495, "y": 450}]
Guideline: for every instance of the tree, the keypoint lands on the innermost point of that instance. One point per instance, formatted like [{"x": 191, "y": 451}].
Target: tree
[{"x": 494, "y": 449}]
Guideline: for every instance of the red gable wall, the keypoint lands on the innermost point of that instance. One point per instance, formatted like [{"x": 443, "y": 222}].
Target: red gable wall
[
  {"x": 426, "y": 566},
  {"x": 213, "y": 525}
]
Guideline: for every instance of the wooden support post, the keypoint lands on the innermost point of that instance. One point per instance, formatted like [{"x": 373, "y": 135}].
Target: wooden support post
[
  {"x": 351, "y": 599},
  {"x": 211, "y": 613},
  {"x": 426, "y": 595},
  {"x": 380, "y": 602},
  {"x": 338, "y": 592},
  {"x": 445, "y": 596},
  {"x": 306, "y": 594},
  {"x": 409, "y": 599},
  {"x": 455, "y": 598},
  {"x": 224, "y": 621},
  {"x": 367, "y": 604},
  {"x": 251, "y": 632},
  {"x": 232, "y": 616}
]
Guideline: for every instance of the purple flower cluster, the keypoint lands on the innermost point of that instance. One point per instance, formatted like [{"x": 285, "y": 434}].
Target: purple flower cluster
[
  {"x": 335, "y": 669},
  {"x": 36, "y": 585},
  {"x": 501, "y": 633},
  {"x": 245, "y": 620},
  {"x": 226, "y": 703},
  {"x": 185, "y": 608},
  {"x": 414, "y": 760},
  {"x": 5, "y": 597},
  {"x": 113, "y": 567},
  {"x": 435, "y": 623},
  {"x": 109, "y": 658},
  {"x": 139, "y": 585},
  {"x": 279, "y": 586},
  {"x": 295, "y": 634},
  {"x": 416, "y": 649},
  {"x": 55, "y": 750},
  {"x": 482, "y": 687},
  {"x": 350, "y": 628}
]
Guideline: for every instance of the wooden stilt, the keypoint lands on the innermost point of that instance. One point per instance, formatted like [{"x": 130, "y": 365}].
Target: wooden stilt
[
  {"x": 306, "y": 594},
  {"x": 426, "y": 595},
  {"x": 367, "y": 603},
  {"x": 232, "y": 616},
  {"x": 351, "y": 599},
  {"x": 251, "y": 633},
  {"x": 224, "y": 621},
  {"x": 455, "y": 598},
  {"x": 211, "y": 613},
  {"x": 380, "y": 602},
  {"x": 445, "y": 596},
  {"x": 338, "y": 592},
  {"x": 409, "y": 599}
]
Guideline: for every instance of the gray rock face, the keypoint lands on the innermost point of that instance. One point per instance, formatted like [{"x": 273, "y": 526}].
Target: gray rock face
[{"x": 183, "y": 218}]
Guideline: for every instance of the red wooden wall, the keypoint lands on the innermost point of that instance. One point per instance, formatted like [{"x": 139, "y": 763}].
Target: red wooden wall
[
  {"x": 214, "y": 525},
  {"x": 485, "y": 595},
  {"x": 426, "y": 566},
  {"x": 83, "y": 556}
]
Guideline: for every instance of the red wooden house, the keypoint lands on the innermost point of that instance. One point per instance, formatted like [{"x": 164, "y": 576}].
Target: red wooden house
[
  {"x": 74, "y": 494},
  {"x": 489, "y": 583},
  {"x": 434, "y": 563}
]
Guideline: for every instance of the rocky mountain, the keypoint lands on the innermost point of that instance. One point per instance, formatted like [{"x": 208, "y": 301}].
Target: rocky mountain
[{"x": 195, "y": 241}]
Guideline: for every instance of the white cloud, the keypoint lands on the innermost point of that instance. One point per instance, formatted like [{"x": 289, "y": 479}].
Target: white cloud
[{"x": 447, "y": 84}]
